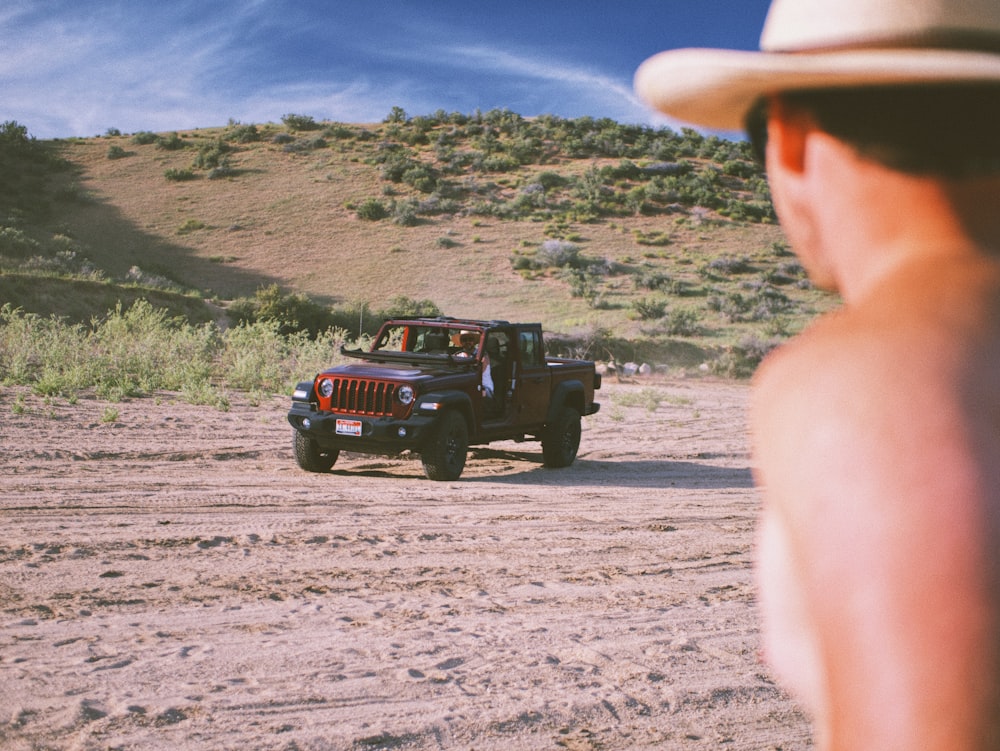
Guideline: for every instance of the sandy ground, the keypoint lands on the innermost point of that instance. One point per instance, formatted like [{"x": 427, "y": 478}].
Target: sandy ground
[{"x": 169, "y": 579}]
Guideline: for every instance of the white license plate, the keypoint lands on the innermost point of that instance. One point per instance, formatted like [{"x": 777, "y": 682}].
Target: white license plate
[{"x": 348, "y": 427}]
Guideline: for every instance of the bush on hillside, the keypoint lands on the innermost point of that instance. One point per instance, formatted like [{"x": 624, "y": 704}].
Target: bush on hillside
[
  {"x": 743, "y": 358},
  {"x": 682, "y": 322},
  {"x": 290, "y": 312},
  {"x": 13, "y": 135},
  {"x": 372, "y": 209},
  {"x": 179, "y": 175},
  {"x": 212, "y": 155},
  {"x": 402, "y": 306},
  {"x": 646, "y": 308},
  {"x": 300, "y": 122},
  {"x": 171, "y": 142},
  {"x": 242, "y": 133},
  {"x": 14, "y": 243}
]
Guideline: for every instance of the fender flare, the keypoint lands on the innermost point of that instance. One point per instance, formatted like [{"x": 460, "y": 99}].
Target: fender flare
[
  {"x": 566, "y": 393},
  {"x": 445, "y": 401},
  {"x": 305, "y": 392}
]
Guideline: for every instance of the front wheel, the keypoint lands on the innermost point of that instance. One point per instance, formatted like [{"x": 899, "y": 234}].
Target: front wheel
[
  {"x": 444, "y": 456},
  {"x": 561, "y": 438},
  {"x": 310, "y": 457}
]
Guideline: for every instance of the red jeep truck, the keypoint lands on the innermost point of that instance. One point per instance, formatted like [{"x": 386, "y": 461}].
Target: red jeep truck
[{"x": 436, "y": 386}]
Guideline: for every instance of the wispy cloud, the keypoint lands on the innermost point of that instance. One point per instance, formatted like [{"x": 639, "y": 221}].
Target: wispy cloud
[
  {"x": 64, "y": 76},
  {"x": 585, "y": 84},
  {"x": 78, "y": 67}
]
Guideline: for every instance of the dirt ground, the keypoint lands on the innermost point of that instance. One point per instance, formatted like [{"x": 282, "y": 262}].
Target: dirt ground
[{"x": 169, "y": 579}]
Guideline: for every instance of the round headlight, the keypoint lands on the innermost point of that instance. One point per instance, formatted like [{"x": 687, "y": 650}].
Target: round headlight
[
  {"x": 405, "y": 394},
  {"x": 325, "y": 388}
]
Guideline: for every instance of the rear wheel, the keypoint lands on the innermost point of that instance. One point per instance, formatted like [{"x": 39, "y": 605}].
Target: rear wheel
[
  {"x": 310, "y": 457},
  {"x": 561, "y": 438},
  {"x": 444, "y": 456}
]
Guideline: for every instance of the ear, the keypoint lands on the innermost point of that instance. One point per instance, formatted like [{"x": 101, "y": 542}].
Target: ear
[
  {"x": 797, "y": 191},
  {"x": 788, "y": 128}
]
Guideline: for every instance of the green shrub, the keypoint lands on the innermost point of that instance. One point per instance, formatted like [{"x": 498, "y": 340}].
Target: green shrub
[
  {"x": 653, "y": 280},
  {"x": 190, "y": 225},
  {"x": 339, "y": 132},
  {"x": 116, "y": 152},
  {"x": 303, "y": 145},
  {"x": 172, "y": 142},
  {"x": 292, "y": 313},
  {"x": 372, "y": 209},
  {"x": 682, "y": 322},
  {"x": 658, "y": 239},
  {"x": 761, "y": 303},
  {"x": 300, "y": 122},
  {"x": 242, "y": 133},
  {"x": 396, "y": 115},
  {"x": 521, "y": 262},
  {"x": 222, "y": 171},
  {"x": 780, "y": 249},
  {"x": 420, "y": 178},
  {"x": 497, "y": 163},
  {"x": 725, "y": 266},
  {"x": 212, "y": 155},
  {"x": 406, "y": 307},
  {"x": 586, "y": 284},
  {"x": 739, "y": 168},
  {"x": 648, "y": 309},
  {"x": 747, "y": 211},
  {"x": 15, "y": 244},
  {"x": 129, "y": 352},
  {"x": 255, "y": 355},
  {"x": 14, "y": 137},
  {"x": 648, "y": 398},
  {"x": 144, "y": 138},
  {"x": 404, "y": 213},
  {"x": 139, "y": 350},
  {"x": 179, "y": 175},
  {"x": 550, "y": 180},
  {"x": 743, "y": 358}
]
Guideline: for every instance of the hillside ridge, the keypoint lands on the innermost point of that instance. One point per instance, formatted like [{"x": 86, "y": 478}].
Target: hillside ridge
[{"x": 580, "y": 224}]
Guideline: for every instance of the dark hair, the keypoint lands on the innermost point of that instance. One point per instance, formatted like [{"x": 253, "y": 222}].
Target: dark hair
[{"x": 952, "y": 130}]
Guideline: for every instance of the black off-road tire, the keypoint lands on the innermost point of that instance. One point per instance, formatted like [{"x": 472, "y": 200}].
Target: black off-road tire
[
  {"x": 444, "y": 456},
  {"x": 561, "y": 438},
  {"x": 310, "y": 457}
]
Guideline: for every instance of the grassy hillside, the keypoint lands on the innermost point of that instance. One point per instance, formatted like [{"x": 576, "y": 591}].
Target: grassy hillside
[{"x": 661, "y": 244}]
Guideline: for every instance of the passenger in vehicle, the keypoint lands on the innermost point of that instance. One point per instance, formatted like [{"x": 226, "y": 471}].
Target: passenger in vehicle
[{"x": 469, "y": 341}]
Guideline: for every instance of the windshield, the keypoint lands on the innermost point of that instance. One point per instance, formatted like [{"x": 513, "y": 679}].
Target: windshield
[{"x": 435, "y": 340}]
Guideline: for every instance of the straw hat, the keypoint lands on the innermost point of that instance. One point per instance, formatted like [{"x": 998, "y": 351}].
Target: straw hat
[{"x": 819, "y": 44}]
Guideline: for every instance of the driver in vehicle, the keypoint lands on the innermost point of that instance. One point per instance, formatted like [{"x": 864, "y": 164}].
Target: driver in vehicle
[{"x": 468, "y": 341}]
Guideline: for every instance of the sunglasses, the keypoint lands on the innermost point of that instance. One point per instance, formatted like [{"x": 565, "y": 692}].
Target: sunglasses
[{"x": 756, "y": 128}]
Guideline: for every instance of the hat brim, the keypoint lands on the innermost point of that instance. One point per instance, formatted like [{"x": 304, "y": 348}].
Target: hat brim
[{"x": 716, "y": 88}]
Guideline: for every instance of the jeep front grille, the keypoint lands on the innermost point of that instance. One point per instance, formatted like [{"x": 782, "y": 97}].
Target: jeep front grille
[{"x": 362, "y": 397}]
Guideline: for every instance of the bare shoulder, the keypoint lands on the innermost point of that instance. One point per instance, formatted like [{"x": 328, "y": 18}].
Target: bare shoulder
[
  {"x": 835, "y": 360},
  {"x": 932, "y": 332},
  {"x": 898, "y": 394}
]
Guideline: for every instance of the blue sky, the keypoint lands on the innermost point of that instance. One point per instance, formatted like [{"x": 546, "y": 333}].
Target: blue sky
[{"x": 80, "y": 67}]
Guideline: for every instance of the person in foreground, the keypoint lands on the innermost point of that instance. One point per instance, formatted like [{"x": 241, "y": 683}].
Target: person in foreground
[{"x": 876, "y": 433}]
